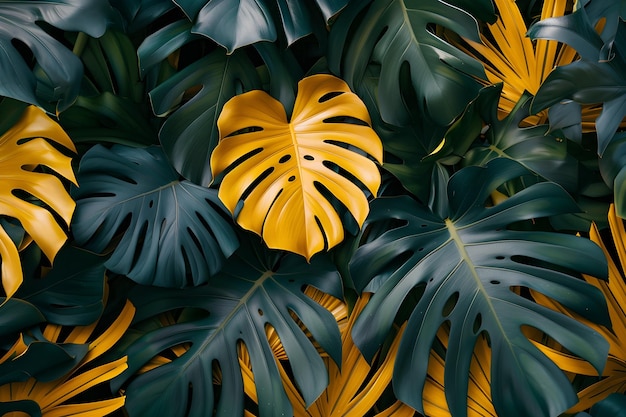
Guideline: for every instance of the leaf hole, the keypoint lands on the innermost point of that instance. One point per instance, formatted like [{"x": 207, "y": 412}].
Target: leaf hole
[
  {"x": 284, "y": 159},
  {"x": 329, "y": 96},
  {"x": 309, "y": 158},
  {"x": 346, "y": 119},
  {"x": 494, "y": 282},
  {"x": 450, "y": 304},
  {"x": 256, "y": 182},
  {"x": 260, "y": 312},
  {"x": 420, "y": 249},
  {"x": 500, "y": 257},
  {"x": 292, "y": 178},
  {"x": 151, "y": 203},
  {"x": 478, "y": 322},
  {"x": 249, "y": 129}
]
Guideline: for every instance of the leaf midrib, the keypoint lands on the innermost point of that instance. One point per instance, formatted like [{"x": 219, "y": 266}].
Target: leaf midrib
[
  {"x": 460, "y": 245},
  {"x": 242, "y": 302}
]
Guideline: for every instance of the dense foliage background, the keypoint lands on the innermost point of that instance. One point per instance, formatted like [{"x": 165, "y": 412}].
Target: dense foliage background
[{"x": 312, "y": 208}]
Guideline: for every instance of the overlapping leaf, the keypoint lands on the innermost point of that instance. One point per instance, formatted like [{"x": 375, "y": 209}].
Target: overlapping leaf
[
  {"x": 466, "y": 264},
  {"x": 236, "y": 23},
  {"x": 284, "y": 170},
  {"x": 24, "y": 149},
  {"x": 190, "y": 133},
  {"x": 64, "y": 361},
  {"x": 532, "y": 146},
  {"x": 592, "y": 79},
  {"x": 170, "y": 232},
  {"x": 254, "y": 292},
  {"x": 396, "y": 34},
  {"x": 20, "y": 20}
]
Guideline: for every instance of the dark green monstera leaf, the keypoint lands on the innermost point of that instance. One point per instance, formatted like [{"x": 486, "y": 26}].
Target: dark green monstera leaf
[
  {"x": 171, "y": 232},
  {"x": 467, "y": 265},
  {"x": 20, "y": 20},
  {"x": 533, "y": 146},
  {"x": 591, "y": 80},
  {"x": 397, "y": 35},
  {"x": 237, "y": 23},
  {"x": 254, "y": 291},
  {"x": 613, "y": 170},
  {"x": 72, "y": 292},
  {"x": 113, "y": 105},
  {"x": 190, "y": 133}
]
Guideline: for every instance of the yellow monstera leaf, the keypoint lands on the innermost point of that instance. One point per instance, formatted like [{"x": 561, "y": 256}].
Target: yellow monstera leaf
[
  {"x": 284, "y": 171},
  {"x": 24, "y": 149}
]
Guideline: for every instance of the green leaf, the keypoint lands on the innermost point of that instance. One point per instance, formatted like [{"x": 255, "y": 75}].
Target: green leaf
[
  {"x": 137, "y": 14},
  {"x": 467, "y": 265},
  {"x": 113, "y": 105},
  {"x": 237, "y": 23},
  {"x": 255, "y": 290},
  {"x": 533, "y": 147},
  {"x": 612, "y": 406},
  {"x": 396, "y": 34},
  {"x": 588, "y": 83},
  {"x": 44, "y": 361},
  {"x": 590, "y": 80},
  {"x": 171, "y": 232},
  {"x": 190, "y": 134},
  {"x": 613, "y": 170},
  {"x": 29, "y": 407},
  {"x": 17, "y": 315},
  {"x": 20, "y": 20},
  {"x": 72, "y": 293}
]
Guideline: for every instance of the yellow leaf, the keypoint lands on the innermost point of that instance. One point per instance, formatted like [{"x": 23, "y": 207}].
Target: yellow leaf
[
  {"x": 614, "y": 290},
  {"x": 510, "y": 57},
  {"x": 52, "y": 396},
  {"x": 284, "y": 170},
  {"x": 24, "y": 148}
]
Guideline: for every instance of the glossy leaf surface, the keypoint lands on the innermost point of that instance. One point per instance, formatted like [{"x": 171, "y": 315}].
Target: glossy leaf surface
[
  {"x": 395, "y": 34},
  {"x": 24, "y": 149},
  {"x": 236, "y": 23},
  {"x": 466, "y": 263},
  {"x": 190, "y": 134},
  {"x": 284, "y": 170},
  {"x": 58, "y": 393},
  {"x": 72, "y": 292},
  {"x": 532, "y": 146},
  {"x": 171, "y": 232},
  {"x": 614, "y": 290},
  {"x": 21, "y": 20},
  {"x": 589, "y": 80},
  {"x": 253, "y": 293}
]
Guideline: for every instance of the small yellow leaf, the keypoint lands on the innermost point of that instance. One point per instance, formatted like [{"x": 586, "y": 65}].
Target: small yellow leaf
[
  {"x": 23, "y": 149},
  {"x": 283, "y": 171}
]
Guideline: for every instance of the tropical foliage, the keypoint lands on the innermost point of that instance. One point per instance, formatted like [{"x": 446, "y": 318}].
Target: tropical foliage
[{"x": 386, "y": 208}]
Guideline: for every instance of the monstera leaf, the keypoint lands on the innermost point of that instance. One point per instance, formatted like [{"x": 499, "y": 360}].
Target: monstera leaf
[
  {"x": 255, "y": 291},
  {"x": 170, "y": 232},
  {"x": 534, "y": 147},
  {"x": 236, "y": 23},
  {"x": 588, "y": 80},
  {"x": 72, "y": 292},
  {"x": 394, "y": 33},
  {"x": 21, "y": 21},
  {"x": 24, "y": 149},
  {"x": 285, "y": 170},
  {"x": 466, "y": 265},
  {"x": 190, "y": 133},
  {"x": 57, "y": 389}
]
